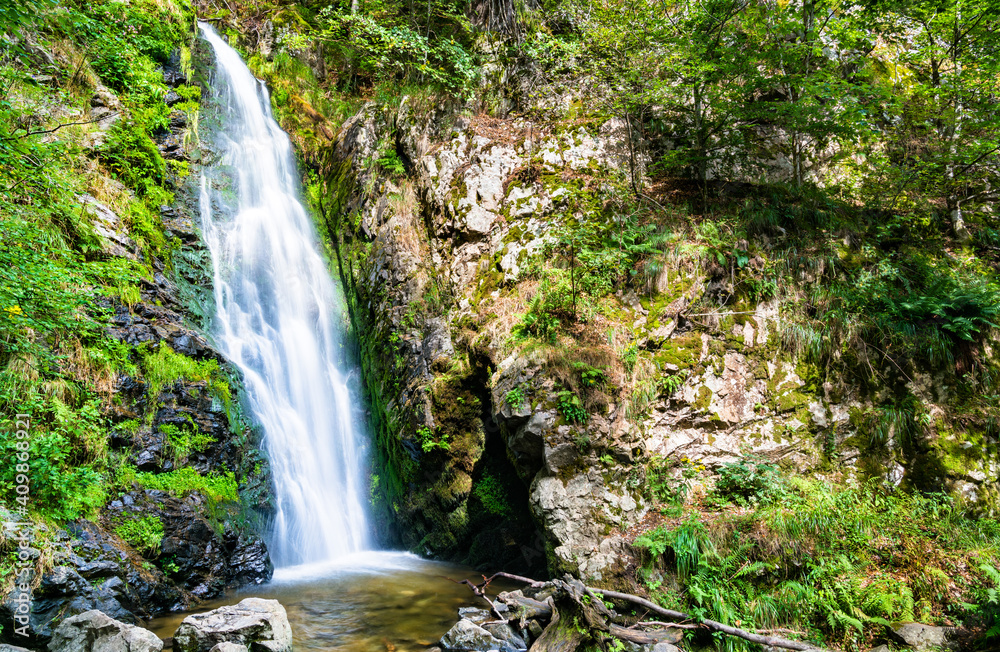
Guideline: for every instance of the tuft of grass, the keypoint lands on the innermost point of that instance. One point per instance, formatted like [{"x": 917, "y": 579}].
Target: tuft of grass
[
  {"x": 144, "y": 534},
  {"x": 163, "y": 367},
  {"x": 184, "y": 441},
  {"x": 218, "y": 488}
]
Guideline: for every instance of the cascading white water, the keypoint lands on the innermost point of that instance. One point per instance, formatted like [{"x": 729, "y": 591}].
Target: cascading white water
[{"x": 275, "y": 303}]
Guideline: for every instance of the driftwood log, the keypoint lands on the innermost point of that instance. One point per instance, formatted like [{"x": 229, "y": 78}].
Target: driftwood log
[{"x": 562, "y": 636}]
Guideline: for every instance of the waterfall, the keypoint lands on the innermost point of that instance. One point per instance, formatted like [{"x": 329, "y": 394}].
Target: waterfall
[{"x": 275, "y": 319}]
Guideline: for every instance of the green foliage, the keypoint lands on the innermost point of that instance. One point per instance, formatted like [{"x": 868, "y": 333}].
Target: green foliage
[
  {"x": 515, "y": 398},
  {"x": 669, "y": 384},
  {"x": 571, "y": 407},
  {"x": 687, "y": 543},
  {"x": 218, "y": 488},
  {"x": 962, "y": 308},
  {"x": 144, "y": 534},
  {"x": 590, "y": 376},
  {"x": 59, "y": 488},
  {"x": 40, "y": 288},
  {"x": 184, "y": 441},
  {"x": 396, "y": 52},
  {"x": 760, "y": 289},
  {"x": 835, "y": 563},
  {"x": 127, "y": 40},
  {"x": 429, "y": 442},
  {"x": 750, "y": 480},
  {"x": 163, "y": 367},
  {"x": 132, "y": 156},
  {"x": 664, "y": 485},
  {"x": 552, "y": 299},
  {"x": 988, "y": 609},
  {"x": 537, "y": 324},
  {"x": 903, "y": 419},
  {"x": 391, "y": 163},
  {"x": 16, "y": 15},
  {"x": 630, "y": 357},
  {"x": 490, "y": 492}
]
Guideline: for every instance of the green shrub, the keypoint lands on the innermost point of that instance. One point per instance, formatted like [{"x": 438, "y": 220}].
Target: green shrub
[
  {"x": 590, "y": 376},
  {"x": 144, "y": 534},
  {"x": 58, "y": 487},
  {"x": 571, "y": 407},
  {"x": 388, "y": 52},
  {"x": 750, "y": 480},
  {"x": 184, "y": 441},
  {"x": 132, "y": 156},
  {"x": 515, "y": 398}
]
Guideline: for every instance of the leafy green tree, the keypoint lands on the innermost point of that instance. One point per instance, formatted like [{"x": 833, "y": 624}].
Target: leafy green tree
[
  {"x": 947, "y": 58},
  {"x": 710, "y": 80},
  {"x": 625, "y": 48}
]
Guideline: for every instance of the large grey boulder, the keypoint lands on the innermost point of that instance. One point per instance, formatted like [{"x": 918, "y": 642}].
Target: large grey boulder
[
  {"x": 93, "y": 631},
  {"x": 259, "y": 625},
  {"x": 466, "y": 635},
  {"x": 922, "y": 637}
]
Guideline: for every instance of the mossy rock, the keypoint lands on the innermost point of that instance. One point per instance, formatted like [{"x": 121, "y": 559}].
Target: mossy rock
[{"x": 683, "y": 352}]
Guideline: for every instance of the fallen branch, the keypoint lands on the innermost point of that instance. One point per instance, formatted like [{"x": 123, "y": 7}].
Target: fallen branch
[
  {"x": 58, "y": 127},
  {"x": 760, "y": 639},
  {"x": 526, "y": 608},
  {"x": 535, "y": 584},
  {"x": 651, "y": 636},
  {"x": 478, "y": 590}
]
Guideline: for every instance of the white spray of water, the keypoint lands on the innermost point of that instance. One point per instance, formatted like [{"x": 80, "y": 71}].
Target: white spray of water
[{"x": 275, "y": 307}]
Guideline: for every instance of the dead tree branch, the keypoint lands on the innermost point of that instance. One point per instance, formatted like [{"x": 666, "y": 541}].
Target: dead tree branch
[{"x": 530, "y": 608}]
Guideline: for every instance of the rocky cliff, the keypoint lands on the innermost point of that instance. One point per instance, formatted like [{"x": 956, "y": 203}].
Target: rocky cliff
[{"x": 456, "y": 258}]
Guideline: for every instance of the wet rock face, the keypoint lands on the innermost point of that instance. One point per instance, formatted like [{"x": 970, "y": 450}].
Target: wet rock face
[
  {"x": 480, "y": 206},
  {"x": 202, "y": 561}
]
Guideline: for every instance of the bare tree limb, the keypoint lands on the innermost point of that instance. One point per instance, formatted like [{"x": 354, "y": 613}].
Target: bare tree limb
[
  {"x": 685, "y": 621},
  {"x": 58, "y": 127}
]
